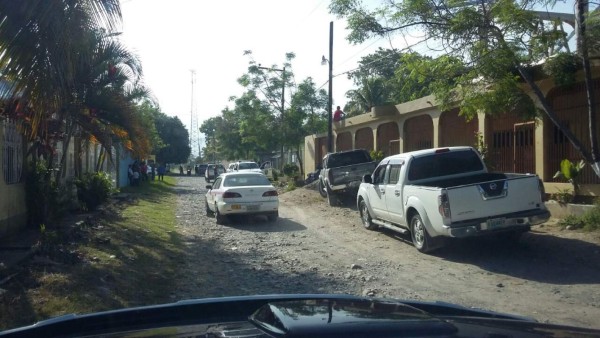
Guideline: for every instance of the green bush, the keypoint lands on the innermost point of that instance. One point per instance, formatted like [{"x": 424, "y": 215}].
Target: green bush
[
  {"x": 291, "y": 170},
  {"x": 291, "y": 185},
  {"x": 275, "y": 175},
  {"x": 93, "y": 189},
  {"x": 376, "y": 155},
  {"x": 40, "y": 191},
  {"x": 572, "y": 222},
  {"x": 47, "y": 201},
  {"x": 590, "y": 221}
]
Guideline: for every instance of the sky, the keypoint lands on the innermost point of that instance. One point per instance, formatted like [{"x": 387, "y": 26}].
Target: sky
[{"x": 176, "y": 36}]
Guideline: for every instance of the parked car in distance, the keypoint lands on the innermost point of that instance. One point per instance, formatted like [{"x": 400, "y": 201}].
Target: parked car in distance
[
  {"x": 242, "y": 193},
  {"x": 448, "y": 192},
  {"x": 202, "y": 169},
  {"x": 247, "y": 166},
  {"x": 209, "y": 173},
  {"x": 268, "y": 169}
]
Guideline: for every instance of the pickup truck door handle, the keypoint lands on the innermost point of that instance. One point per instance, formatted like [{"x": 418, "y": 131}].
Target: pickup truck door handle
[{"x": 397, "y": 192}]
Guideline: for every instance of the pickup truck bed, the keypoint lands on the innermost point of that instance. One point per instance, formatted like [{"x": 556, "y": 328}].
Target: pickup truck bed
[
  {"x": 342, "y": 173},
  {"x": 454, "y": 182}
]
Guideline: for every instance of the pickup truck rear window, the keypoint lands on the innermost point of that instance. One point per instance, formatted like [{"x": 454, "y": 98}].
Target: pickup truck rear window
[
  {"x": 344, "y": 159},
  {"x": 444, "y": 164}
]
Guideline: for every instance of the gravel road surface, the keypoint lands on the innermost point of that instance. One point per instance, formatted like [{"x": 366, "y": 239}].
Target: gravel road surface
[{"x": 550, "y": 275}]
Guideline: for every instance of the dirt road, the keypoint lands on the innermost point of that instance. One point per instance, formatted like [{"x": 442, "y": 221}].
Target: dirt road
[{"x": 549, "y": 275}]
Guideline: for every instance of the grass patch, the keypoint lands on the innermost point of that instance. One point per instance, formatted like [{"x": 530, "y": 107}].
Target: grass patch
[
  {"x": 127, "y": 254},
  {"x": 589, "y": 221}
]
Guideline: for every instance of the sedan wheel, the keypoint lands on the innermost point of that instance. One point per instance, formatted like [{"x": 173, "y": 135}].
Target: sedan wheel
[
  {"x": 221, "y": 219},
  {"x": 367, "y": 221},
  {"x": 208, "y": 211},
  {"x": 273, "y": 217}
]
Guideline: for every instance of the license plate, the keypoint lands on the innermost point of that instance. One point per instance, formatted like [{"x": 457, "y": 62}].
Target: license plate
[
  {"x": 495, "y": 223},
  {"x": 236, "y": 207},
  {"x": 252, "y": 207}
]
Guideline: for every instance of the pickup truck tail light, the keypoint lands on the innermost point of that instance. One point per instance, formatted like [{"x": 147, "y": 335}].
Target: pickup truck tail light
[
  {"x": 270, "y": 193},
  {"x": 444, "y": 205},
  {"x": 230, "y": 194}
]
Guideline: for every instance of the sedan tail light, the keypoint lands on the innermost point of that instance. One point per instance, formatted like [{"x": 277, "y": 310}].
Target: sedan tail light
[
  {"x": 230, "y": 194},
  {"x": 270, "y": 193}
]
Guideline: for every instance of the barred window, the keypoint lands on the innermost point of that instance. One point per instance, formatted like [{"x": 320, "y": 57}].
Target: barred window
[{"x": 12, "y": 153}]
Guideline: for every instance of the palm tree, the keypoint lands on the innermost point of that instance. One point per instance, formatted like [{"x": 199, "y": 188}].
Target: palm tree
[
  {"x": 60, "y": 58},
  {"x": 372, "y": 93}
]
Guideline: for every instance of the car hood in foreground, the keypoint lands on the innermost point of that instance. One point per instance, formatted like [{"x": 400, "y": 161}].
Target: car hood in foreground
[{"x": 297, "y": 316}]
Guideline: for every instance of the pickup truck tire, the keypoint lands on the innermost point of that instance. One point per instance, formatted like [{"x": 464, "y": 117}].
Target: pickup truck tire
[
  {"x": 420, "y": 238},
  {"x": 322, "y": 190},
  {"x": 365, "y": 216},
  {"x": 333, "y": 199}
]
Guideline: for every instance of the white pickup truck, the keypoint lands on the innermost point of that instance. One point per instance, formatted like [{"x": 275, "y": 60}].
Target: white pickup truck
[{"x": 448, "y": 192}]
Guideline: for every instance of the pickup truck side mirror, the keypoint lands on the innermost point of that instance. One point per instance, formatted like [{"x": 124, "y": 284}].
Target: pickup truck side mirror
[
  {"x": 209, "y": 186},
  {"x": 367, "y": 179}
]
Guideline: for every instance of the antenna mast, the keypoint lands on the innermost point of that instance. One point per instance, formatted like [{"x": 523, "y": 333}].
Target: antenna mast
[{"x": 194, "y": 141}]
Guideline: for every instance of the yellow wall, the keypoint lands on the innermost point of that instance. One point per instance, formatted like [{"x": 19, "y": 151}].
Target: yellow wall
[
  {"x": 428, "y": 106},
  {"x": 13, "y": 213}
]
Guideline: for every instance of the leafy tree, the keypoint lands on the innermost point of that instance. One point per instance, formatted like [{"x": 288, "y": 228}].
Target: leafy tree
[
  {"x": 307, "y": 115},
  {"x": 497, "y": 45},
  {"x": 389, "y": 76},
  {"x": 212, "y": 129},
  {"x": 382, "y": 63},
  {"x": 258, "y": 123},
  {"x": 175, "y": 137}
]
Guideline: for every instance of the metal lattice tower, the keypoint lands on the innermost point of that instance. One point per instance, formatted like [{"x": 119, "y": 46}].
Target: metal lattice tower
[{"x": 194, "y": 132}]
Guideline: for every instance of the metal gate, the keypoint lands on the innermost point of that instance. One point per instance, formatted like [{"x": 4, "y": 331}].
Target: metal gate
[{"x": 524, "y": 147}]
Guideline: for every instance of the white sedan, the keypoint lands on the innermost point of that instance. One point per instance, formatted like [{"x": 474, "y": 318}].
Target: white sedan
[{"x": 242, "y": 193}]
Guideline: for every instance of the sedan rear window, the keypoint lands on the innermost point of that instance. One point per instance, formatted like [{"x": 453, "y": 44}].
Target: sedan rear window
[
  {"x": 245, "y": 180},
  {"x": 248, "y": 165}
]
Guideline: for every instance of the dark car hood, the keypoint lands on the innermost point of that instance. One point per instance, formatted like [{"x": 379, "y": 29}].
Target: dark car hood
[{"x": 297, "y": 316}]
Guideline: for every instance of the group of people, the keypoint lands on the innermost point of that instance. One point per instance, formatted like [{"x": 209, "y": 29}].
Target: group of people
[{"x": 143, "y": 172}]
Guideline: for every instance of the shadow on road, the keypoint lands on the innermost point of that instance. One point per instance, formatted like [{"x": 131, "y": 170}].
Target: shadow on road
[
  {"x": 215, "y": 271},
  {"x": 260, "y": 224},
  {"x": 536, "y": 257}
]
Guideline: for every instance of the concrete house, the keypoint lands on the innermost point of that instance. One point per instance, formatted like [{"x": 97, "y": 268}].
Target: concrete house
[{"x": 514, "y": 144}]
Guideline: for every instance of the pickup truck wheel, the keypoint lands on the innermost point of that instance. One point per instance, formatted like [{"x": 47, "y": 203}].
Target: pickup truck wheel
[
  {"x": 208, "y": 211},
  {"x": 322, "y": 190},
  {"x": 367, "y": 221},
  {"x": 333, "y": 199},
  {"x": 420, "y": 238}
]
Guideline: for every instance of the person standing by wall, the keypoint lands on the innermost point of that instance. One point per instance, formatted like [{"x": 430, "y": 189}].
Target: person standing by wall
[
  {"x": 338, "y": 115},
  {"x": 161, "y": 172}
]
